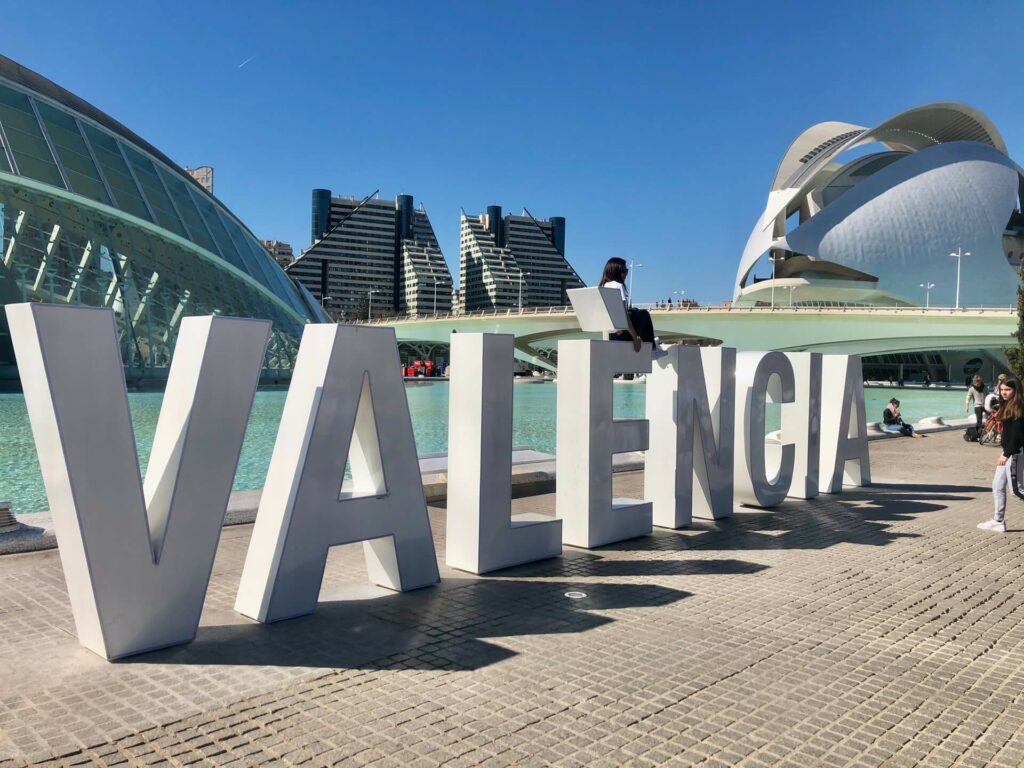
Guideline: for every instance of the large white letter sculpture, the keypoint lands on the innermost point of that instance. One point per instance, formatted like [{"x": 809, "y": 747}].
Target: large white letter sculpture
[
  {"x": 136, "y": 559},
  {"x": 801, "y": 423},
  {"x": 587, "y": 438},
  {"x": 346, "y": 391},
  {"x": 482, "y": 533},
  {"x": 690, "y": 397},
  {"x": 761, "y": 376},
  {"x": 843, "y": 424}
]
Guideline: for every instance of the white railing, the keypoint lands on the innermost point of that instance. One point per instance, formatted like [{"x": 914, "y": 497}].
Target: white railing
[{"x": 778, "y": 309}]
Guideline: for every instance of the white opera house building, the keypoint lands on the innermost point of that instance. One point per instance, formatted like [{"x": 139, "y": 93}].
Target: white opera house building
[{"x": 871, "y": 217}]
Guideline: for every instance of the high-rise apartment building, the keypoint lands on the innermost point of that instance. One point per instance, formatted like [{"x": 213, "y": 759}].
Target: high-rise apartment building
[
  {"x": 376, "y": 256},
  {"x": 204, "y": 175},
  {"x": 513, "y": 261},
  {"x": 282, "y": 252}
]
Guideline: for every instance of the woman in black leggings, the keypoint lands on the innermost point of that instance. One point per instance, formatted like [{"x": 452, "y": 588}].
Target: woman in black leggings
[{"x": 641, "y": 328}]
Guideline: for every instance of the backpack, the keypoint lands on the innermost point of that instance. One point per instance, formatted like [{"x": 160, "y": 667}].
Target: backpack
[{"x": 971, "y": 434}]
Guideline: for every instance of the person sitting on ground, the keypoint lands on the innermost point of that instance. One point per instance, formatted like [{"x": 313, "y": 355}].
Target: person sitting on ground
[
  {"x": 893, "y": 421},
  {"x": 641, "y": 327}
]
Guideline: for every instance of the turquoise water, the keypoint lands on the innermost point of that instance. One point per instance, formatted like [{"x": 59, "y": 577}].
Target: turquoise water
[{"x": 533, "y": 426}]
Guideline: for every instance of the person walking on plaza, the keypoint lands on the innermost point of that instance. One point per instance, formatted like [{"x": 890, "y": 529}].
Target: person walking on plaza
[
  {"x": 1007, "y": 465},
  {"x": 976, "y": 397}
]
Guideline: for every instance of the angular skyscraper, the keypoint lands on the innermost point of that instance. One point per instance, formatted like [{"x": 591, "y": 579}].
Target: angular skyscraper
[
  {"x": 374, "y": 256},
  {"x": 513, "y": 261}
]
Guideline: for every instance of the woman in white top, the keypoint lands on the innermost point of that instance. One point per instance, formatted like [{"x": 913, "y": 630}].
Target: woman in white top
[{"x": 641, "y": 328}]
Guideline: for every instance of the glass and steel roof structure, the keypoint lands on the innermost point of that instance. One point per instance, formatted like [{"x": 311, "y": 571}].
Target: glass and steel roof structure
[{"x": 92, "y": 214}]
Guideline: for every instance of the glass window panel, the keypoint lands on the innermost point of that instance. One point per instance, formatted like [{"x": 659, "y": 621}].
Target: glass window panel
[
  {"x": 154, "y": 191},
  {"x": 126, "y": 193},
  {"x": 73, "y": 153},
  {"x": 187, "y": 208},
  {"x": 283, "y": 286},
  {"x": 30, "y": 150},
  {"x": 209, "y": 214},
  {"x": 253, "y": 266}
]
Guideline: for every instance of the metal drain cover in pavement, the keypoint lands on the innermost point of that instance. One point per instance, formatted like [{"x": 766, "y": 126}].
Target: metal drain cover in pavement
[{"x": 575, "y": 595}]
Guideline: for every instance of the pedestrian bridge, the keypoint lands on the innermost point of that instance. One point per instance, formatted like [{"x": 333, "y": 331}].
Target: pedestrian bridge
[{"x": 846, "y": 330}]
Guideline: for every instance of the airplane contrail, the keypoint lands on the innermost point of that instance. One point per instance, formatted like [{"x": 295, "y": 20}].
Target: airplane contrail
[{"x": 247, "y": 61}]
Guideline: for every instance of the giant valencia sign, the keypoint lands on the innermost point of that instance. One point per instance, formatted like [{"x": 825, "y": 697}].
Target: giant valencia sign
[{"x": 137, "y": 554}]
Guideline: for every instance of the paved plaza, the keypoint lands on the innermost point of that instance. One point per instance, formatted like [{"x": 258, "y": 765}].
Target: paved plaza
[{"x": 878, "y": 627}]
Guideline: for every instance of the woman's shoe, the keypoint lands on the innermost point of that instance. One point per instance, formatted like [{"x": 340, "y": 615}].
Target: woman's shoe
[{"x": 993, "y": 525}]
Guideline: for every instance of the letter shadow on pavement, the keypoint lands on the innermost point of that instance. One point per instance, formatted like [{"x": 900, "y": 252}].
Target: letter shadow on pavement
[
  {"x": 433, "y": 628},
  {"x": 861, "y": 516},
  {"x": 583, "y": 564}
]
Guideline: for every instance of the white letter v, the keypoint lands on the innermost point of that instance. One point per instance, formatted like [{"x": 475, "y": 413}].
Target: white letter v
[{"x": 137, "y": 562}]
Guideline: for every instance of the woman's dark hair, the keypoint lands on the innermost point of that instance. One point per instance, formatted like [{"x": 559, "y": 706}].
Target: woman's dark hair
[
  {"x": 1012, "y": 407},
  {"x": 978, "y": 383},
  {"x": 614, "y": 271},
  {"x": 894, "y": 401}
]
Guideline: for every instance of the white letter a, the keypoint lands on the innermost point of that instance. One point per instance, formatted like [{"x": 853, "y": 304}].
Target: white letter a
[{"x": 346, "y": 391}]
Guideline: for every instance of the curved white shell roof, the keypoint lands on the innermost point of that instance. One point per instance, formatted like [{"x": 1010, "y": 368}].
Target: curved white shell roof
[{"x": 955, "y": 187}]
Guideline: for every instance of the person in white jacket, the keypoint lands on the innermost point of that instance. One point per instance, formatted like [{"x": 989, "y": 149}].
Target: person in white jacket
[{"x": 976, "y": 396}]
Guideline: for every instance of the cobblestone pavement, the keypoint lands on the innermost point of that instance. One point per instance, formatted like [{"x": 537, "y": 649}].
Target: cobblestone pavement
[{"x": 877, "y": 627}]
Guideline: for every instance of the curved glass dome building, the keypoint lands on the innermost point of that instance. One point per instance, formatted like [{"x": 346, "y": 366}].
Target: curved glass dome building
[{"x": 92, "y": 214}]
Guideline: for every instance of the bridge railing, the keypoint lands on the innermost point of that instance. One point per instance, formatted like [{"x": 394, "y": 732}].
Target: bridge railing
[
  {"x": 661, "y": 309},
  {"x": 824, "y": 308}
]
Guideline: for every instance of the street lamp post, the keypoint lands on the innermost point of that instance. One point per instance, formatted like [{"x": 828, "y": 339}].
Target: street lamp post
[
  {"x": 680, "y": 294},
  {"x": 521, "y": 276},
  {"x": 773, "y": 260},
  {"x": 790, "y": 288},
  {"x": 632, "y": 265},
  {"x": 959, "y": 257},
  {"x": 927, "y": 290}
]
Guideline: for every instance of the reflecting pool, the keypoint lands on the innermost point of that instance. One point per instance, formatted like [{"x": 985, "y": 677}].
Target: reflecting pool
[{"x": 533, "y": 426}]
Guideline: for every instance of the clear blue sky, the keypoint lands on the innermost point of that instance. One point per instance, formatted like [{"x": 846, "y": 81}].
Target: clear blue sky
[{"x": 654, "y": 128}]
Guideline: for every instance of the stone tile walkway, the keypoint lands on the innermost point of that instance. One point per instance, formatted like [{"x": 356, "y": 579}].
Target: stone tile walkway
[{"x": 878, "y": 627}]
